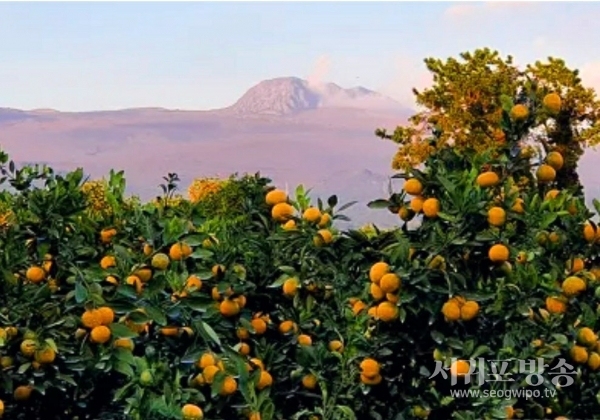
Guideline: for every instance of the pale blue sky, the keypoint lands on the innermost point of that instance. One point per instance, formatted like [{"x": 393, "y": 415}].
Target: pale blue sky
[{"x": 87, "y": 56}]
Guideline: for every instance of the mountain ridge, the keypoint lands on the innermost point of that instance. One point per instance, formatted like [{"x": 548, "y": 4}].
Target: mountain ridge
[
  {"x": 281, "y": 96},
  {"x": 290, "y": 95},
  {"x": 292, "y": 131}
]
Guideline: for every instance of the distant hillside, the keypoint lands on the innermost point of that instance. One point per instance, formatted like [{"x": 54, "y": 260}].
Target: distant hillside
[
  {"x": 290, "y": 95},
  {"x": 321, "y": 136}
]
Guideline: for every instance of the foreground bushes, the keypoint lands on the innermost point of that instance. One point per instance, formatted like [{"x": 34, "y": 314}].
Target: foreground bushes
[
  {"x": 142, "y": 310},
  {"x": 246, "y": 302}
]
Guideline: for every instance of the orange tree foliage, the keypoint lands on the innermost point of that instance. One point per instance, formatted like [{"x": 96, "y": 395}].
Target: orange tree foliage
[
  {"x": 159, "y": 311},
  {"x": 469, "y": 107}
]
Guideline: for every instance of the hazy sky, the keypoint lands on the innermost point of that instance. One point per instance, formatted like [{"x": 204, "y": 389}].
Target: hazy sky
[{"x": 87, "y": 56}]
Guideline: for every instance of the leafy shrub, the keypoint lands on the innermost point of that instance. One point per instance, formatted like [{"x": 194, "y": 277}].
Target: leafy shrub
[{"x": 251, "y": 304}]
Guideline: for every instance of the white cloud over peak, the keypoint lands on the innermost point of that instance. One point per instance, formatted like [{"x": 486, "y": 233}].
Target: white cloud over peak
[{"x": 320, "y": 71}]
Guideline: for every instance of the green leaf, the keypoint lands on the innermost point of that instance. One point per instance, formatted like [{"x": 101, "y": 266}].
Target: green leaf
[
  {"x": 23, "y": 368},
  {"x": 379, "y": 204},
  {"x": 81, "y": 293},
  {"x": 279, "y": 282},
  {"x": 156, "y": 315},
  {"x": 208, "y": 331},
  {"x": 287, "y": 269},
  {"x": 479, "y": 351},
  {"x": 124, "y": 368},
  {"x": 66, "y": 378},
  {"x": 347, "y": 205},
  {"x": 121, "y": 331},
  {"x": 50, "y": 342},
  {"x": 437, "y": 337},
  {"x": 125, "y": 355},
  {"x": 449, "y": 218},
  {"x": 507, "y": 102},
  {"x": 561, "y": 339},
  {"x": 332, "y": 201},
  {"x": 138, "y": 317},
  {"x": 193, "y": 239},
  {"x": 201, "y": 254},
  {"x": 346, "y": 412}
]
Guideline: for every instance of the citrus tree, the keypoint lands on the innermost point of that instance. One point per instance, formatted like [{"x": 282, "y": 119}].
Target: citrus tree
[
  {"x": 246, "y": 301},
  {"x": 470, "y": 102},
  {"x": 504, "y": 262}
]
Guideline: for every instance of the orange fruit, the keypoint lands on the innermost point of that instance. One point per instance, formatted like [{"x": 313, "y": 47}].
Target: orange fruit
[
  {"x": 180, "y": 251},
  {"x": 369, "y": 367},
  {"x": 108, "y": 261},
  {"x": 92, "y": 318},
  {"x": 552, "y": 103},
  {"x": 431, "y": 207},
  {"x": 288, "y": 326},
  {"x": 35, "y": 274},
  {"x": 106, "y": 314},
  {"x": 106, "y": 235},
  {"x": 229, "y": 386},
  {"x": 387, "y": 311},
  {"x": 377, "y": 271},
  {"x": 229, "y": 308},
  {"x": 546, "y": 173},
  {"x": 309, "y": 381},
  {"x": 459, "y": 367},
  {"x": 290, "y": 287},
  {"x": 519, "y": 112},
  {"x": 304, "y": 340},
  {"x": 265, "y": 380},
  {"x": 100, "y": 334},
  {"x": 496, "y": 216},
  {"x": 336, "y": 346},
  {"x": 282, "y": 212},
  {"x": 389, "y": 283},
  {"x": 324, "y": 236},
  {"x": 555, "y": 160},
  {"x": 207, "y": 359},
  {"x": 498, "y": 253},
  {"x": 413, "y": 187},
  {"x": 275, "y": 197},
  {"x": 259, "y": 325},
  {"x": 312, "y": 215},
  {"x": 488, "y": 179},
  {"x": 192, "y": 412},
  {"x": 45, "y": 355}
]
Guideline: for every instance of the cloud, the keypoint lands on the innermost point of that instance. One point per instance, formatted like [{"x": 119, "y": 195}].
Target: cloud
[{"x": 320, "y": 71}]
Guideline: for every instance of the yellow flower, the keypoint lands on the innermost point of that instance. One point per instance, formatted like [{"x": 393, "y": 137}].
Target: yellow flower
[
  {"x": 95, "y": 192},
  {"x": 173, "y": 201},
  {"x": 204, "y": 187}
]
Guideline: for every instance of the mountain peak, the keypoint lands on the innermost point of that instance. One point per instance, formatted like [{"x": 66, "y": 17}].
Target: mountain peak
[{"x": 290, "y": 95}]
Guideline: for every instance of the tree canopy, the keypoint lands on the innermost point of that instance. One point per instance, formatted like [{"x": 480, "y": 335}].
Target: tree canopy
[{"x": 472, "y": 105}]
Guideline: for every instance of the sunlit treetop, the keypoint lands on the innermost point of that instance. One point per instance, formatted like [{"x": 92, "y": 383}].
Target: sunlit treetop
[{"x": 471, "y": 105}]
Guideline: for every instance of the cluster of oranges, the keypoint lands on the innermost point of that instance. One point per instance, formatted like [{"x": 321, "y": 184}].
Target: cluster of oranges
[
  {"x": 458, "y": 308},
  {"x": 283, "y": 212},
  {"x": 429, "y": 207},
  {"x": 384, "y": 289},
  {"x": 212, "y": 368},
  {"x": 587, "y": 349},
  {"x": 98, "y": 322}
]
